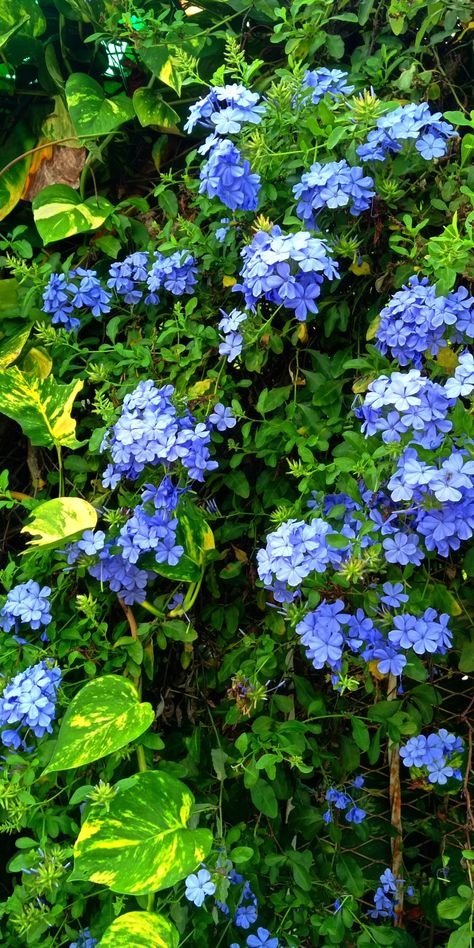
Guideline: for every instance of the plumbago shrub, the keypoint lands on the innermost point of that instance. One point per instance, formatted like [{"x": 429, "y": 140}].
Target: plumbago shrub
[{"x": 236, "y": 626}]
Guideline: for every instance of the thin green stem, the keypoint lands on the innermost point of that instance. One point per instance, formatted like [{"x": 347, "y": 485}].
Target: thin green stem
[{"x": 60, "y": 470}]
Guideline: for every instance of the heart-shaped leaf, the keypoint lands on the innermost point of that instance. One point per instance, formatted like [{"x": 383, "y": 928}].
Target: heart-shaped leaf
[
  {"x": 142, "y": 844},
  {"x": 91, "y": 112},
  {"x": 151, "y": 109},
  {"x": 140, "y": 929},
  {"x": 60, "y": 212},
  {"x": 104, "y": 716}
]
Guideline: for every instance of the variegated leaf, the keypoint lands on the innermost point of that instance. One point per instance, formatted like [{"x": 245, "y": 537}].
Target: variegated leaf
[
  {"x": 90, "y": 111},
  {"x": 140, "y": 929},
  {"x": 142, "y": 844},
  {"x": 42, "y": 407},
  {"x": 59, "y": 520},
  {"x": 105, "y": 715},
  {"x": 59, "y": 212}
]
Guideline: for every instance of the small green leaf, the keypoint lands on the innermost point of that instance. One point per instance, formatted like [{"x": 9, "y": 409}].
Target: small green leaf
[
  {"x": 42, "y": 407},
  {"x": 161, "y": 64},
  {"x": 58, "y": 520},
  {"x": 142, "y": 844},
  {"x": 264, "y": 799},
  {"x": 361, "y": 734},
  {"x": 452, "y": 907},
  {"x": 241, "y": 854},
  {"x": 60, "y": 212},
  {"x": 103, "y": 716},
  {"x": 90, "y": 111},
  {"x": 26, "y": 12},
  {"x": 151, "y": 109},
  {"x": 140, "y": 929}
]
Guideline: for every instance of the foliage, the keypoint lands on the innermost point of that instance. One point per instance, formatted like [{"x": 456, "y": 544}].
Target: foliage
[{"x": 236, "y": 396}]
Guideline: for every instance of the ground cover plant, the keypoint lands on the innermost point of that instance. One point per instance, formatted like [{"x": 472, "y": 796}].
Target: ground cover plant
[{"x": 238, "y": 484}]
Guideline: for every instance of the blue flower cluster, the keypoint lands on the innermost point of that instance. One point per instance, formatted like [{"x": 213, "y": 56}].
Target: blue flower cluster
[
  {"x": 292, "y": 552},
  {"x": 327, "y": 631},
  {"x": 26, "y": 603},
  {"x": 123, "y": 577},
  {"x": 227, "y": 176},
  {"x": 343, "y": 801},
  {"x": 434, "y": 756},
  {"x": 286, "y": 269},
  {"x": 84, "y": 940},
  {"x": 138, "y": 274},
  {"x": 408, "y": 122},
  {"x": 150, "y": 431},
  {"x": 152, "y": 526},
  {"x": 386, "y": 895},
  {"x": 91, "y": 542},
  {"x": 406, "y": 403},
  {"x": 416, "y": 321},
  {"x": 334, "y": 184},
  {"x": 232, "y": 340},
  {"x": 29, "y": 701},
  {"x": 225, "y": 109},
  {"x": 62, "y": 295},
  {"x": 324, "y": 81}
]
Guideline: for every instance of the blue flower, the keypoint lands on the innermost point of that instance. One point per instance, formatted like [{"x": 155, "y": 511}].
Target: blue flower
[
  {"x": 389, "y": 660},
  {"x": 358, "y": 782},
  {"x": 433, "y": 754},
  {"x": 123, "y": 577},
  {"x": 413, "y": 121},
  {"x": 226, "y": 108},
  {"x": 222, "y": 417},
  {"x": 90, "y": 293},
  {"x": 262, "y": 939},
  {"x": 355, "y": 815},
  {"x": 393, "y": 595},
  {"x": 129, "y": 276},
  {"x": 29, "y": 701},
  {"x": 198, "y": 885},
  {"x": 57, "y": 302},
  {"x": 402, "y": 548},
  {"x": 462, "y": 382},
  {"x": 245, "y": 916}
]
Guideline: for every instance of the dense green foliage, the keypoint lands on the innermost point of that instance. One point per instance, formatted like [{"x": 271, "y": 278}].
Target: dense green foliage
[{"x": 194, "y": 731}]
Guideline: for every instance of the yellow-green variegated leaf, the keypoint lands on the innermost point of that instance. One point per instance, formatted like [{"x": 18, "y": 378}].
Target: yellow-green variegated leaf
[
  {"x": 90, "y": 111},
  {"x": 163, "y": 64},
  {"x": 10, "y": 350},
  {"x": 151, "y": 109},
  {"x": 26, "y": 12},
  {"x": 58, "y": 520},
  {"x": 140, "y": 930},
  {"x": 13, "y": 179},
  {"x": 60, "y": 212},
  {"x": 42, "y": 407},
  {"x": 142, "y": 844},
  {"x": 105, "y": 715}
]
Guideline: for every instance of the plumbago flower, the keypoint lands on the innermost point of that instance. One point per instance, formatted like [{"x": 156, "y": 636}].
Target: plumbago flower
[
  {"x": 437, "y": 757},
  {"x": 140, "y": 276},
  {"x": 285, "y": 269},
  {"x": 410, "y": 122},
  {"x": 29, "y": 703}
]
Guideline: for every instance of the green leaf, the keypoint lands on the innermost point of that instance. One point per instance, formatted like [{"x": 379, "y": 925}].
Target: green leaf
[
  {"x": 161, "y": 64},
  {"x": 460, "y": 938},
  {"x": 151, "y": 109},
  {"x": 140, "y": 929},
  {"x": 264, "y": 799},
  {"x": 27, "y": 11},
  {"x": 42, "y": 407},
  {"x": 10, "y": 351},
  {"x": 361, "y": 734},
  {"x": 452, "y": 907},
  {"x": 60, "y": 212},
  {"x": 103, "y": 716},
  {"x": 90, "y": 111},
  {"x": 335, "y": 45},
  {"x": 142, "y": 843},
  {"x": 195, "y": 535},
  {"x": 241, "y": 854},
  {"x": 273, "y": 398},
  {"x": 466, "y": 659},
  {"x": 58, "y": 520}
]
